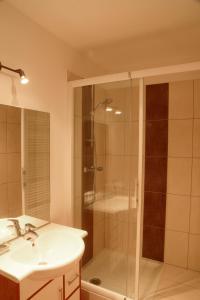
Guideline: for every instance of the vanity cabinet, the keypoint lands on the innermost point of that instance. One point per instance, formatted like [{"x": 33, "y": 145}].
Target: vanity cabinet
[
  {"x": 53, "y": 290},
  {"x": 66, "y": 287}
]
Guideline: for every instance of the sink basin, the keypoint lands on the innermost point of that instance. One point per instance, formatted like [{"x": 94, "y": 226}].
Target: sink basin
[{"x": 55, "y": 252}]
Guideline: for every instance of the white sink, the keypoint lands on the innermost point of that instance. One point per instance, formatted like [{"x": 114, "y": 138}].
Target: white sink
[{"x": 55, "y": 252}]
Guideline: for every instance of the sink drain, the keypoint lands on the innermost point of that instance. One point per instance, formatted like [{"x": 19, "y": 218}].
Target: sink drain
[
  {"x": 42, "y": 263},
  {"x": 95, "y": 281}
]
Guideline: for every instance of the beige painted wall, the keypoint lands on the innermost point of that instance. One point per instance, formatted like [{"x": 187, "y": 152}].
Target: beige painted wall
[{"x": 46, "y": 60}]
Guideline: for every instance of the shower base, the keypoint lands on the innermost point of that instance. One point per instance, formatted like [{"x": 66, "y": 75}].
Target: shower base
[{"x": 116, "y": 273}]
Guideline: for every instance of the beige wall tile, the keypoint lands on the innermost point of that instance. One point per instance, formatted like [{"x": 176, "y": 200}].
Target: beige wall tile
[
  {"x": 13, "y": 138},
  {"x": 3, "y": 168},
  {"x": 77, "y": 212},
  {"x": 180, "y": 138},
  {"x": 132, "y": 168},
  {"x": 180, "y": 204},
  {"x": 196, "y": 138},
  {"x": 176, "y": 248},
  {"x": 194, "y": 252},
  {"x": 77, "y": 176},
  {"x": 115, "y": 140},
  {"x": 181, "y": 99},
  {"x": 14, "y": 167},
  {"x": 100, "y": 175},
  {"x": 195, "y": 215},
  {"x": 4, "y": 205},
  {"x": 14, "y": 199},
  {"x": 179, "y": 176},
  {"x": 98, "y": 237},
  {"x": 119, "y": 170},
  {"x": 98, "y": 216},
  {"x": 100, "y": 138},
  {"x": 77, "y": 137},
  {"x": 2, "y": 137},
  {"x": 197, "y": 98},
  {"x": 133, "y": 103},
  {"x": 196, "y": 177},
  {"x": 131, "y": 138}
]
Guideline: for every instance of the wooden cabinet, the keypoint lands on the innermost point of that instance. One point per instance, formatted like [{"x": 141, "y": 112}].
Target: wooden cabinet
[
  {"x": 66, "y": 287},
  {"x": 53, "y": 291},
  {"x": 72, "y": 281}
]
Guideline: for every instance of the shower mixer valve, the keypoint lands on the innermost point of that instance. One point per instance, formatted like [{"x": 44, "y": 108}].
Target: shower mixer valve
[{"x": 92, "y": 169}]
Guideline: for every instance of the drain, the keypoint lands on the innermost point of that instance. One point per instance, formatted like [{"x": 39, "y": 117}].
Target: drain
[
  {"x": 42, "y": 263},
  {"x": 95, "y": 281}
]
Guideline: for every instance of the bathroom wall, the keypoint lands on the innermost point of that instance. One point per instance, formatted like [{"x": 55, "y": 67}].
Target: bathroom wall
[
  {"x": 182, "y": 236},
  {"x": 46, "y": 60},
  {"x": 10, "y": 162},
  {"x": 176, "y": 139}
]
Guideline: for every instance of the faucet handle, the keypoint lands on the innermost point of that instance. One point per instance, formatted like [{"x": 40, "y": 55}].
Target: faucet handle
[
  {"x": 29, "y": 226},
  {"x": 15, "y": 221}
]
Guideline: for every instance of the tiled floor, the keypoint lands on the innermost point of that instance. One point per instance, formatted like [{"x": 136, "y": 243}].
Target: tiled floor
[{"x": 157, "y": 281}]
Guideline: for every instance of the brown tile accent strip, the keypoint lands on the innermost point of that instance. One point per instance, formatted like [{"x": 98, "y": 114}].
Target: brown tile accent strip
[
  {"x": 156, "y": 148},
  {"x": 153, "y": 242},
  {"x": 87, "y": 161},
  {"x": 155, "y": 174},
  {"x": 157, "y": 101},
  {"x": 156, "y": 138},
  {"x": 155, "y": 202}
]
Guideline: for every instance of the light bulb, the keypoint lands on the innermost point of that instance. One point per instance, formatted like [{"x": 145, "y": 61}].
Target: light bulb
[
  {"x": 118, "y": 112},
  {"x": 109, "y": 108},
  {"x": 24, "y": 79}
]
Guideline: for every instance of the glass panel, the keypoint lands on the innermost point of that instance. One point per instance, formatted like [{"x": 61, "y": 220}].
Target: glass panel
[{"x": 106, "y": 163}]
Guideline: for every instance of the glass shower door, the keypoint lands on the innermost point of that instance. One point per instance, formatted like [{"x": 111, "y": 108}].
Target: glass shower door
[{"x": 106, "y": 174}]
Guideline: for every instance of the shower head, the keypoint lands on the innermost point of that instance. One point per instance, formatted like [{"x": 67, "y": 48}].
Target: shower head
[{"x": 105, "y": 104}]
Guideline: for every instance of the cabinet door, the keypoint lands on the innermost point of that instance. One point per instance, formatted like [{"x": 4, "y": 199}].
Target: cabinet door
[
  {"x": 72, "y": 280},
  {"x": 75, "y": 296},
  {"x": 53, "y": 291}
]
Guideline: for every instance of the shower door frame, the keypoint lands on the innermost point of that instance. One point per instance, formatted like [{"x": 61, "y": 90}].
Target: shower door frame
[{"x": 139, "y": 75}]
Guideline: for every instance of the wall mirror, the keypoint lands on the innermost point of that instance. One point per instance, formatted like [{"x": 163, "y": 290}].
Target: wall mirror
[{"x": 24, "y": 168}]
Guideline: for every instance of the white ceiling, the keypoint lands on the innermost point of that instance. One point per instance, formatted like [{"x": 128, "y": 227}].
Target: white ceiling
[{"x": 85, "y": 24}]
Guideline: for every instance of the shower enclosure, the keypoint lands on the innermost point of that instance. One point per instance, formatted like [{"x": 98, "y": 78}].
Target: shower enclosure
[
  {"x": 106, "y": 164},
  {"x": 124, "y": 189}
]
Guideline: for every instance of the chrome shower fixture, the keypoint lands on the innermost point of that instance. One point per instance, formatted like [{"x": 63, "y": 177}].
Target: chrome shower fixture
[
  {"x": 108, "y": 108},
  {"x": 23, "y": 78}
]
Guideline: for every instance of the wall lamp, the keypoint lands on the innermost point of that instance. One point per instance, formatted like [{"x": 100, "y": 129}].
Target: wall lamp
[{"x": 23, "y": 78}]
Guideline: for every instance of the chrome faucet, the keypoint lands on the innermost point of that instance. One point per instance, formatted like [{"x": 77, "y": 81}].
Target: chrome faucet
[
  {"x": 29, "y": 234},
  {"x": 16, "y": 226}
]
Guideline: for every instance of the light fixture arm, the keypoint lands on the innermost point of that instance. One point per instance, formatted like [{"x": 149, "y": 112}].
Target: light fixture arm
[{"x": 18, "y": 71}]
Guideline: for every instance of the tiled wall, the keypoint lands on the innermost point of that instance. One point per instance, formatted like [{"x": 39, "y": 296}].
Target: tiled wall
[
  {"x": 182, "y": 237},
  {"x": 10, "y": 162},
  {"x": 156, "y": 146}
]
